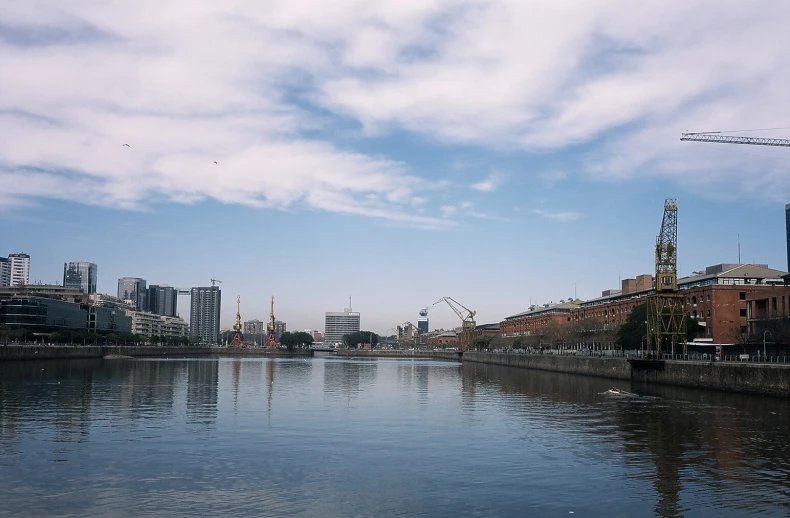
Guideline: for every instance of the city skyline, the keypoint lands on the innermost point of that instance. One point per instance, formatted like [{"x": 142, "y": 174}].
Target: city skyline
[{"x": 399, "y": 154}]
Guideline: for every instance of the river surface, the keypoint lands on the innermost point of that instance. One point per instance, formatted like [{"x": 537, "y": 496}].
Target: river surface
[{"x": 377, "y": 437}]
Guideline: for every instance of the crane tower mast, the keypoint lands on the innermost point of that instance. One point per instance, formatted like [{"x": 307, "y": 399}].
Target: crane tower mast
[{"x": 666, "y": 314}]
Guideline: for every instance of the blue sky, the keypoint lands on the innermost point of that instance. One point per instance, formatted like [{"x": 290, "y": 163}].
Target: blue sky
[{"x": 500, "y": 153}]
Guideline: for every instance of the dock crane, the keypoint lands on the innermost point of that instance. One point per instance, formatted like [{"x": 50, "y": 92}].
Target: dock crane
[
  {"x": 716, "y": 136},
  {"x": 467, "y": 320}
]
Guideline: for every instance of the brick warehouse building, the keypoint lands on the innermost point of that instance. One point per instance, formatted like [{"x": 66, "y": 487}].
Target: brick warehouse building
[{"x": 728, "y": 301}]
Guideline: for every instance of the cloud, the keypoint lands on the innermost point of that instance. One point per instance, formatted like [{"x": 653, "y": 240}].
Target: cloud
[
  {"x": 263, "y": 94},
  {"x": 553, "y": 177},
  {"x": 560, "y": 216},
  {"x": 490, "y": 184},
  {"x": 447, "y": 210}
]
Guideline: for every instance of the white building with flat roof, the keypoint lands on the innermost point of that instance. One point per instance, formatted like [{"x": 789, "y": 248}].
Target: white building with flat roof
[
  {"x": 338, "y": 324},
  {"x": 19, "y": 266}
]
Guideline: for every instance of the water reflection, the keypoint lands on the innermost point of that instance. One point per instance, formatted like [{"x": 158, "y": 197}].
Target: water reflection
[
  {"x": 296, "y": 437},
  {"x": 708, "y": 446},
  {"x": 346, "y": 379}
]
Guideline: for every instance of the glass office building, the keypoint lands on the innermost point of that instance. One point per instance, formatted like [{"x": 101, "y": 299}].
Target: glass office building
[
  {"x": 80, "y": 275},
  {"x": 42, "y": 316}
]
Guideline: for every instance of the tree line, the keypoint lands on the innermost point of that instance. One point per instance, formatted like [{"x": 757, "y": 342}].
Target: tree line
[
  {"x": 83, "y": 337},
  {"x": 354, "y": 340}
]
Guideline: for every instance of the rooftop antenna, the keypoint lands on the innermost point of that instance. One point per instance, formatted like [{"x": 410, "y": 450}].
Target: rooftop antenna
[
  {"x": 739, "y": 249},
  {"x": 349, "y": 303}
]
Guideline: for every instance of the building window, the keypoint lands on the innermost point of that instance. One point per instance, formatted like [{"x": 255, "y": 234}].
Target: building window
[
  {"x": 708, "y": 297},
  {"x": 742, "y": 295},
  {"x": 743, "y": 312}
]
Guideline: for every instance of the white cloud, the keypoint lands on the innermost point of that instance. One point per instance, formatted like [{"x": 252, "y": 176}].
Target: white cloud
[
  {"x": 447, "y": 210},
  {"x": 551, "y": 178},
  {"x": 560, "y": 216},
  {"x": 186, "y": 84},
  {"x": 490, "y": 184}
]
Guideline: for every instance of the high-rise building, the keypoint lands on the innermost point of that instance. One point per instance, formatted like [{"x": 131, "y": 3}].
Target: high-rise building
[
  {"x": 254, "y": 327},
  {"x": 204, "y": 313},
  {"x": 5, "y": 271},
  {"x": 163, "y": 300},
  {"x": 20, "y": 269},
  {"x": 79, "y": 274},
  {"x": 422, "y": 322},
  {"x": 133, "y": 289},
  {"x": 338, "y": 324},
  {"x": 787, "y": 230},
  {"x": 279, "y": 329}
]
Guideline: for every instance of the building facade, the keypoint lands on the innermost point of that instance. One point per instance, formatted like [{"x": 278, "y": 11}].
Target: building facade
[
  {"x": 787, "y": 231},
  {"x": 5, "y": 272},
  {"x": 150, "y": 324},
  {"x": 80, "y": 274},
  {"x": 338, "y": 324},
  {"x": 163, "y": 300},
  {"x": 204, "y": 314},
  {"x": 254, "y": 327},
  {"x": 422, "y": 322},
  {"x": 279, "y": 329},
  {"x": 133, "y": 289},
  {"x": 42, "y": 316},
  {"x": 19, "y": 265},
  {"x": 717, "y": 299}
]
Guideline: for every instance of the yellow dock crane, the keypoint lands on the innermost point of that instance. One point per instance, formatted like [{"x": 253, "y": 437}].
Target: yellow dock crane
[
  {"x": 467, "y": 317},
  {"x": 666, "y": 314}
]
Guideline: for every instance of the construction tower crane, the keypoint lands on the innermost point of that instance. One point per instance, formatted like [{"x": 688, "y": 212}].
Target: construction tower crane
[
  {"x": 666, "y": 314},
  {"x": 214, "y": 282},
  {"x": 467, "y": 320},
  {"x": 716, "y": 136}
]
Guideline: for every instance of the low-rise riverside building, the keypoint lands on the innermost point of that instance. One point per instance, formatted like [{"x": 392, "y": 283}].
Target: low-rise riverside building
[
  {"x": 151, "y": 324},
  {"x": 728, "y": 301},
  {"x": 41, "y": 316}
]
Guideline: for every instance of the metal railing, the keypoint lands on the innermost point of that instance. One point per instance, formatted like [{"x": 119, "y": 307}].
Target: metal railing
[{"x": 636, "y": 353}]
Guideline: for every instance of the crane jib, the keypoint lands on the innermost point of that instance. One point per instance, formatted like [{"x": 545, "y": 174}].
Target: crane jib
[{"x": 727, "y": 139}]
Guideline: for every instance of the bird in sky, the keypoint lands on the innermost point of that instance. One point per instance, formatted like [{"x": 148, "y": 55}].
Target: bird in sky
[
  {"x": 215, "y": 162},
  {"x": 127, "y": 145}
]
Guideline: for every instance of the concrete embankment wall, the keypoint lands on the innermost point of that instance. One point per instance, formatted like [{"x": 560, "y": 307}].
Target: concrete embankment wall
[
  {"x": 439, "y": 355},
  {"x": 617, "y": 368},
  {"x": 54, "y": 352},
  {"x": 754, "y": 378}
]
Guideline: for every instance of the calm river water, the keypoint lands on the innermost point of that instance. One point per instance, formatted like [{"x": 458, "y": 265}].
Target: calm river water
[{"x": 336, "y": 438}]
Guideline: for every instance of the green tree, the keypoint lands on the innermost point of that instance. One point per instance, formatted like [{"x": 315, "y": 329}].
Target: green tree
[
  {"x": 361, "y": 337},
  {"x": 520, "y": 343},
  {"x": 482, "y": 342},
  {"x": 633, "y": 333}
]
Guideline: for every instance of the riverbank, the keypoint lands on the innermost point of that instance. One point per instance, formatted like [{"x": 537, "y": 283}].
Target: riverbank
[
  {"x": 749, "y": 378},
  {"x": 67, "y": 352},
  {"x": 397, "y": 353}
]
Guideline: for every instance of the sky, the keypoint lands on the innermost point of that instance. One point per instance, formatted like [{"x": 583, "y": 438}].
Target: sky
[{"x": 503, "y": 153}]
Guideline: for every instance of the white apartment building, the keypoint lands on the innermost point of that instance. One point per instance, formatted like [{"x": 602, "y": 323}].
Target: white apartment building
[
  {"x": 338, "y": 324},
  {"x": 19, "y": 269},
  {"x": 151, "y": 324}
]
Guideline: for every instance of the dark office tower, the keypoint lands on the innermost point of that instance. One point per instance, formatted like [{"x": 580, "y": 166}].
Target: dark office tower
[
  {"x": 162, "y": 300},
  {"x": 80, "y": 275},
  {"x": 133, "y": 289},
  {"x": 422, "y": 322},
  {"x": 787, "y": 230},
  {"x": 204, "y": 313}
]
